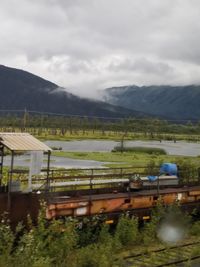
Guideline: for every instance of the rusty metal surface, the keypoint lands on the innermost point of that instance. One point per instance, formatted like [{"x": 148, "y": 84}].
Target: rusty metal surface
[
  {"x": 120, "y": 202},
  {"x": 131, "y": 194},
  {"x": 194, "y": 193},
  {"x": 22, "y": 142},
  {"x": 112, "y": 204}
]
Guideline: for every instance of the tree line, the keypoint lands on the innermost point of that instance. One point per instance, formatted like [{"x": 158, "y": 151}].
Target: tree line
[{"x": 150, "y": 127}]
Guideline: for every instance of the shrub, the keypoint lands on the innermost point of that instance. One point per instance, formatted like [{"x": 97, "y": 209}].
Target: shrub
[
  {"x": 127, "y": 230},
  {"x": 149, "y": 232},
  {"x": 96, "y": 255},
  {"x": 195, "y": 229},
  {"x": 147, "y": 150},
  {"x": 6, "y": 241},
  {"x": 151, "y": 168},
  {"x": 47, "y": 244}
]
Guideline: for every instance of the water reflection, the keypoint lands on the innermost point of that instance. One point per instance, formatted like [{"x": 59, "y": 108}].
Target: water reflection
[
  {"x": 83, "y": 145},
  {"x": 58, "y": 162},
  {"x": 178, "y": 148}
]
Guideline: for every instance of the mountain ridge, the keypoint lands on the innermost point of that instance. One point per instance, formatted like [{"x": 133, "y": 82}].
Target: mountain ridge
[
  {"x": 172, "y": 102},
  {"x": 20, "y": 89}
]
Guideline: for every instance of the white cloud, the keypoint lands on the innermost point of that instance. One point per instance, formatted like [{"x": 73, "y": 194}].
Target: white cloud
[{"x": 91, "y": 44}]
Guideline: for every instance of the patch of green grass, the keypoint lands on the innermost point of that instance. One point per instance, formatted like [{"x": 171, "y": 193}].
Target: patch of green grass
[
  {"x": 125, "y": 159},
  {"x": 148, "y": 150}
]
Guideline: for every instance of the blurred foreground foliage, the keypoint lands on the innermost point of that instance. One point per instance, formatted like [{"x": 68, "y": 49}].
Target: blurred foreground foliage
[{"x": 89, "y": 243}]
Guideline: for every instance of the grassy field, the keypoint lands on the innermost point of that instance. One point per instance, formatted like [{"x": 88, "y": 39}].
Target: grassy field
[
  {"x": 125, "y": 159},
  {"x": 112, "y": 135}
]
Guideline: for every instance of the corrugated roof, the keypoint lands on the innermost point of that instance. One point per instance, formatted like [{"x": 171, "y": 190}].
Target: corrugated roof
[{"x": 22, "y": 142}]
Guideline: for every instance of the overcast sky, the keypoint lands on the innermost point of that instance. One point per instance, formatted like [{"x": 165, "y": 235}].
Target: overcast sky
[{"x": 86, "y": 45}]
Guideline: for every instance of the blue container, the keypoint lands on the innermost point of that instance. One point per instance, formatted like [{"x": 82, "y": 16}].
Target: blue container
[{"x": 169, "y": 169}]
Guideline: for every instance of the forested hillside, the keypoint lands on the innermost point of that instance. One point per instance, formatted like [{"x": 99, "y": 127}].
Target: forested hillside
[
  {"x": 20, "y": 89},
  {"x": 171, "y": 102}
]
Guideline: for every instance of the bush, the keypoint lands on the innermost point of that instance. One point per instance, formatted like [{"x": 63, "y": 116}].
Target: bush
[
  {"x": 147, "y": 150},
  {"x": 149, "y": 232},
  {"x": 187, "y": 171},
  {"x": 127, "y": 230},
  {"x": 99, "y": 253},
  {"x": 151, "y": 168},
  {"x": 6, "y": 241},
  {"x": 195, "y": 229},
  {"x": 96, "y": 255},
  {"x": 67, "y": 243},
  {"x": 51, "y": 244}
]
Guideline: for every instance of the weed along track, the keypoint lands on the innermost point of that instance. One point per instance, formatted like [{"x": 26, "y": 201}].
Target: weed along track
[{"x": 169, "y": 256}]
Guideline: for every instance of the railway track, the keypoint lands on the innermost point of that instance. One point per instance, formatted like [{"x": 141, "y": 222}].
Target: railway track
[{"x": 170, "y": 256}]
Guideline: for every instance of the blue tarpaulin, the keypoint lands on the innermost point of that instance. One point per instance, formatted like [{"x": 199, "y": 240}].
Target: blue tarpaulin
[
  {"x": 152, "y": 178},
  {"x": 169, "y": 169}
]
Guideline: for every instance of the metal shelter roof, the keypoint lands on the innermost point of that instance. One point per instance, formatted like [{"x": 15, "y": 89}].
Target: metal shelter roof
[{"x": 22, "y": 142}]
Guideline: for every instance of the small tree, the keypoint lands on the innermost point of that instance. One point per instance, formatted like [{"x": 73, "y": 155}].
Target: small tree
[
  {"x": 127, "y": 230},
  {"x": 6, "y": 241}
]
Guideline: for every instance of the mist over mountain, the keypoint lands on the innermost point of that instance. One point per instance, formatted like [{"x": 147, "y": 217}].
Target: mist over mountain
[
  {"x": 172, "y": 102},
  {"x": 20, "y": 89}
]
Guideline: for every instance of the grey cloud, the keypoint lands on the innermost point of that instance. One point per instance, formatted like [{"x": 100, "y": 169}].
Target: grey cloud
[
  {"x": 92, "y": 44},
  {"x": 142, "y": 65}
]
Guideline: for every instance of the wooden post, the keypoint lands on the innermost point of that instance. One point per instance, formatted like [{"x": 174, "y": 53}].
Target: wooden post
[
  {"x": 91, "y": 179},
  {"x": 10, "y": 180},
  {"x": 24, "y": 120},
  {"x": 1, "y": 166},
  {"x": 158, "y": 186},
  {"x": 48, "y": 170}
]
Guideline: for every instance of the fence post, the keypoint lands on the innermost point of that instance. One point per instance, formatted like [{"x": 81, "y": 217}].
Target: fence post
[{"x": 91, "y": 178}]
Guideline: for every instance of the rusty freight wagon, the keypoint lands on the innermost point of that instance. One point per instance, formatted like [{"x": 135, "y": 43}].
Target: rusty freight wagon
[{"x": 87, "y": 192}]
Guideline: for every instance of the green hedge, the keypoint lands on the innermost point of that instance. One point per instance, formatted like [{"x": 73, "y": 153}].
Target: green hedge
[{"x": 147, "y": 150}]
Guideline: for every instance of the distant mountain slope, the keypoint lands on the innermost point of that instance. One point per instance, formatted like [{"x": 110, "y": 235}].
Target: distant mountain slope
[
  {"x": 20, "y": 89},
  {"x": 175, "y": 102}
]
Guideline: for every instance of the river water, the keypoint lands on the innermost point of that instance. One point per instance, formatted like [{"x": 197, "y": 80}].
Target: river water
[
  {"x": 178, "y": 148},
  {"x": 58, "y": 162}
]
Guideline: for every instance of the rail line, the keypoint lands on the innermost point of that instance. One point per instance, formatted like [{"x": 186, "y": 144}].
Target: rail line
[{"x": 170, "y": 256}]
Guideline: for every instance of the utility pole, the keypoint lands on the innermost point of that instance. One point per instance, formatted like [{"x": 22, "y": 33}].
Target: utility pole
[
  {"x": 122, "y": 143},
  {"x": 25, "y": 118}
]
